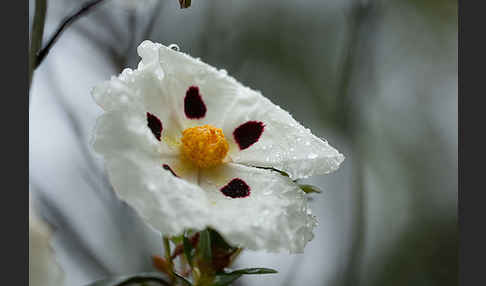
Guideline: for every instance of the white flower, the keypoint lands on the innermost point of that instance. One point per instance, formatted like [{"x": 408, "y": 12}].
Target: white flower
[
  {"x": 43, "y": 268},
  {"x": 182, "y": 141}
]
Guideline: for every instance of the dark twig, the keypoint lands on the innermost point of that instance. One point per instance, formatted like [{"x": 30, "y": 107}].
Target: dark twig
[
  {"x": 136, "y": 279},
  {"x": 86, "y": 8}
]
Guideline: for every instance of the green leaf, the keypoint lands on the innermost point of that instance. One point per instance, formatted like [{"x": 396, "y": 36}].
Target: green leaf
[
  {"x": 205, "y": 244},
  {"x": 176, "y": 239},
  {"x": 183, "y": 279},
  {"x": 134, "y": 278},
  {"x": 310, "y": 189},
  {"x": 252, "y": 271},
  {"x": 187, "y": 249},
  {"x": 218, "y": 241},
  {"x": 225, "y": 278}
]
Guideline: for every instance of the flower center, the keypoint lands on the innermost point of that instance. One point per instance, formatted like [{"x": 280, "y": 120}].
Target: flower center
[{"x": 205, "y": 146}]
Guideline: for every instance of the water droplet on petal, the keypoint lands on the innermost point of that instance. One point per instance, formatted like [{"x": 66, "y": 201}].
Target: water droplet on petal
[
  {"x": 312, "y": 156},
  {"x": 174, "y": 47}
]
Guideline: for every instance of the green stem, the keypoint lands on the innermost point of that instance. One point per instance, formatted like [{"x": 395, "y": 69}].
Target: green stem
[
  {"x": 36, "y": 36},
  {"x": 168, "y": 257},
  {"x": 204, "y": 264},
  {"x": 235, "y": 255}
]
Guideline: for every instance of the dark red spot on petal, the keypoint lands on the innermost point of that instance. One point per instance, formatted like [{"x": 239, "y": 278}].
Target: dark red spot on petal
[
  {"x": 248, "y": 133},
  {"x": 154, "y": 123},
  {"x": 194, "y": 106},
  {"x": 236, "y": 188},
  {"x": 168, "y": 168}
]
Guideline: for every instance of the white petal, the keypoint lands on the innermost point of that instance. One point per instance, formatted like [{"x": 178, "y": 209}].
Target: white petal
[
  {"x": 43, "y": 268},
  {"x": 169, "y": 204},
  {"x": 275, "y": 215},
  {"x": 123, "y": 131},
  {"x": 181, "y": 71},
  {"x": 134, "y": 162},
  {"x": 140, "y": 91},
  {"x": 285, "y": 144}
]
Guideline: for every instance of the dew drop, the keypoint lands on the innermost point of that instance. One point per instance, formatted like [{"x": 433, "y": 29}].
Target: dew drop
[
  {"x": 174, "y": 47},
  {"x": 312, "y": 156}
]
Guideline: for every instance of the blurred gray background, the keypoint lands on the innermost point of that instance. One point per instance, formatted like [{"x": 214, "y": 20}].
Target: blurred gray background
[{"x": 378, "y": 79}]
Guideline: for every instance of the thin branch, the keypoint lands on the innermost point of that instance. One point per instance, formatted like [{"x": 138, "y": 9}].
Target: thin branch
[
  {"x": 86, "y": 8},
  {"x": 36, "y": 36},
  {"x": 105, "y": 18},
  {"x": 141, "y": 279}
]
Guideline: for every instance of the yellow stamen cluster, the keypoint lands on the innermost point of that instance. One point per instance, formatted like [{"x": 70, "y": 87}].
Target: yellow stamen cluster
[{"x": 205, "y": 146}]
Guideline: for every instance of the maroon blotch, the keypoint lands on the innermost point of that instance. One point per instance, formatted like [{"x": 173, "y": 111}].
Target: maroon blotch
[
  {"x": 154, "y": 123},
  {"x": 236, "y": 188},
  {"x": 168, "y": 168},
  {"x": 248, "y": 133},
  {"x": 194, "y": 106}
]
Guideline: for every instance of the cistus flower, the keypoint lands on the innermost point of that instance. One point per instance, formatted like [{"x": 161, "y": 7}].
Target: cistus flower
[
  {"x": 189, "y": 147},
  {"x": 43, "y": 268}
]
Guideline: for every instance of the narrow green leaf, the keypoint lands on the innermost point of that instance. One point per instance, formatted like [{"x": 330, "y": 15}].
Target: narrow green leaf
[
  {"x": 187, "y": 249},
  {"x": 225, "y": 279},
  {"x": 183, "y": 279},
  {"x": 252, "y": 271},
  {"x": 205, "y": 244},
  {"x": 130, "y": 279},
  {"x": 310, "y": 189}
]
